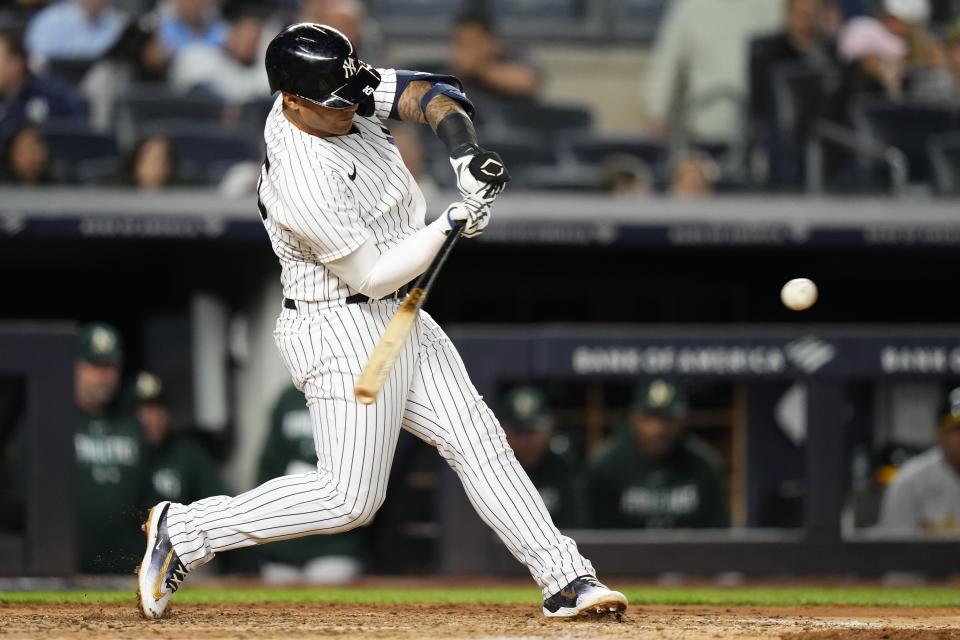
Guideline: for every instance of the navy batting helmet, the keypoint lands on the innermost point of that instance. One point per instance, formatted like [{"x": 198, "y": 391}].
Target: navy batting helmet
[{"x": 318, "y": 63}]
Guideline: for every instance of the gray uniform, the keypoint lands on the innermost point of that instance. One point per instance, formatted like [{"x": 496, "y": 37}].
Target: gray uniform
[{"x": 924, "y": 497}]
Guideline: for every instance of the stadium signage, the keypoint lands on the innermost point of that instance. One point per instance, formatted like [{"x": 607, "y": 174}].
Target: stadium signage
[
  {"x": 717, "y": 360},
  {"x": 920, "y": 359}
]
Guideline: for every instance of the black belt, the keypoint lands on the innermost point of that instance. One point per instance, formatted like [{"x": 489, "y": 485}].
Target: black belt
[{"x": 359, "y": 298}]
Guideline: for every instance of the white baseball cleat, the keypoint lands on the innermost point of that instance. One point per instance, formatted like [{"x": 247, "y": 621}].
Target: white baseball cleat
[
  {"x": 160, "y": 572},
  {"x": 585, "y": 595}
]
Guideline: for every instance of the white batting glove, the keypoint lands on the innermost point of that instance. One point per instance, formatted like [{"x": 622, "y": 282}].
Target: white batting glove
[
  {"x": 471, "y": 209},
  {"x": 480, "y": 173}
]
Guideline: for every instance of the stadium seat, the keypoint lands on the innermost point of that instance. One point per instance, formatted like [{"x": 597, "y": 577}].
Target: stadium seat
[
  {"x": 207, "y": 151},
  {"x": 907, "y": 126},
  {"x": 799, "y": 92},
  {"x": 945, "y": 161},
  {"x": 253, "y": 114},
  {"x": 640, "y": 18},
  {"x": 537, "y": 10},
  {"x": 68, "y": 70},
  {"x": 416, "y": 9},
  {"x": 582, "y": 148},
  {"x": 573, "y": 178},
  {"x": 143, "y": 106},
  {"x": 543, "y": 122},
  {"x": 79, "y": 154}
]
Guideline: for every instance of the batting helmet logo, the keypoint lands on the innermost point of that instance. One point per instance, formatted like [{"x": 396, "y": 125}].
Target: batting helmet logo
[{"x": 349, "y": 69}]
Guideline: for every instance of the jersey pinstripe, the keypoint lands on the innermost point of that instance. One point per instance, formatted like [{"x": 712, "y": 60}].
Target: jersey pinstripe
[{"x": 321, "y": 198}]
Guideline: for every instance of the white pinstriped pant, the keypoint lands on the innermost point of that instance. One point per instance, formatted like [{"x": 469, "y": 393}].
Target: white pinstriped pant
[{"x": 430, "y": 395}]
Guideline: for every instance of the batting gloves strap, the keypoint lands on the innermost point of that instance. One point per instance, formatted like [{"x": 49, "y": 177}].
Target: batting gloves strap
[
  {"x": 474, "y": 211},
  {"x": 480, "y": 173}
]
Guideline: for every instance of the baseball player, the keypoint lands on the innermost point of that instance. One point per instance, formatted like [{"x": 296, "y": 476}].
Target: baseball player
[{"x": 346, "y": 221}]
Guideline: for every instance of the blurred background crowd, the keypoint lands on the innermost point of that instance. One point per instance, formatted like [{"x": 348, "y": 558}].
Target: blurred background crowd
[{"x": 686, "y": 97}]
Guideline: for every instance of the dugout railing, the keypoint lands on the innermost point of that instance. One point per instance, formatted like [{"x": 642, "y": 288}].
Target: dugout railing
[
  {"x": 826, "y": 359},
  {"x": 38, "y": 358}
]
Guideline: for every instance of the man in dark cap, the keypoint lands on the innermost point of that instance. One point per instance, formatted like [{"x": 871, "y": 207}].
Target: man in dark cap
[
  {"x": 176, "y": 464},
  {"x": 925, "y": 494},
  {"x": 653, "y": 475},
  {"x": 109, "y": 447},
  {"x": 527, "y": 419}
]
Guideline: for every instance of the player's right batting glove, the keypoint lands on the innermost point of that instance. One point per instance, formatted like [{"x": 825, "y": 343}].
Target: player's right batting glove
[
  {"x": 480, "y": 173},
  {"x": 471, "y": 209}
]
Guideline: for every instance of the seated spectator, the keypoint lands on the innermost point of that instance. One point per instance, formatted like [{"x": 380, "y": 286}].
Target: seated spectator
[
  {"x": 925, "y": 494},
  {"x": 486, "y": 67},
  {"x": 24, "y": 96},
  {"x": 290, "y": 450},
  {"x": 176, "y": 466},
  {"x": 26, "y": 158},
  {"x": 137, "y": 57},
  {"x": 189, "y": 22},
  {"x": 152, "y": 164},
  {"x": 74, "y": 30},
  {"x": 875, "y": 61},
  {"x": 233, "y": 71},
  {"x": 699, "y": 65},
  {"x": 652, "y": 475},
  {"x": 109, "y": 447},
  {"x": 926, "y": 73},
  {"x": 626, "y": 176},
  {"x": 907, "y": 20},
  {"x": 695, "y": 175},
  {"x": 528, "y": 422}
]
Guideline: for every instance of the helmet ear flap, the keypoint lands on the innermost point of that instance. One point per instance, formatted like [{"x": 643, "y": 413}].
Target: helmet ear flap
[{"x": 367, "y": 107}]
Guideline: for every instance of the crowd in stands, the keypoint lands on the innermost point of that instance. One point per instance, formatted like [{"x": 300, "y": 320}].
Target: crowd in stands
[{"x": 769, "y": 95}]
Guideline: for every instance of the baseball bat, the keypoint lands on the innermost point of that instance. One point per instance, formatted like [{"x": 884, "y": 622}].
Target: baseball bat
[{"x": 388, "y": 348}]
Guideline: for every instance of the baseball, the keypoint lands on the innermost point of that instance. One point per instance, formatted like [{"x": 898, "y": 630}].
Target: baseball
[{"x": 799, "y": 294}]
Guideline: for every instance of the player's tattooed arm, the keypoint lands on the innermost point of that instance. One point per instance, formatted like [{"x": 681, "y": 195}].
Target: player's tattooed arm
[
  {"x": 408, "y": 106},
  {"x": 409, "y": 109}
]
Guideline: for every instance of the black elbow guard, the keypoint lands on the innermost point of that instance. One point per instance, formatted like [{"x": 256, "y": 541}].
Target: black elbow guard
[{"x": 457, "y": 134}]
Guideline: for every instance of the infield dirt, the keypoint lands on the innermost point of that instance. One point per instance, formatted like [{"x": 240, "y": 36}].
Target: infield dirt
[{"x": 402, "y": 622}]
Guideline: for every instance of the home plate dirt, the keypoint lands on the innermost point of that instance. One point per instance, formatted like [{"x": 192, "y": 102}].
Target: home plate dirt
[{"x": 289, "y": 621}]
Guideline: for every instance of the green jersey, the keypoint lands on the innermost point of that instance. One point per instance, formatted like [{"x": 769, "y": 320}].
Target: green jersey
[
  {"x": 628, "y": 490},
  {"x": 109, "y": 452},
  {"x": 554, "y": 478},
  {"x": 180, "y": 470},
  {"x": 290, "y": 450}
]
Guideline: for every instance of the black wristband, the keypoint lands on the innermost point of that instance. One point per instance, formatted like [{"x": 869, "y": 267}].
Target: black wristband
[{"x": 457, "y": 133}]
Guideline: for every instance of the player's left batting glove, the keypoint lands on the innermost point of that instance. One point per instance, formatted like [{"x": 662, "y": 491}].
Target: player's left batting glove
[
  {"x": 480, "y": 173},
  {"x": 471, "y": 209}
]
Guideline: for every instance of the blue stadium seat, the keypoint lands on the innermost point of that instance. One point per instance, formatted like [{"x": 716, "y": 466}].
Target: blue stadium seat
[
  {"x": 430, "y": 10},
  {"x": 253, "y": 114},
  {"x": 79, "y": 154},
  {"x": 909, "y": 127},
  {"x": 543, "y": 121},
  {"x": 539, "y": 10},
  {"x": 207, "y": 151},
  {"x": 143, "y": 106},
  {"x": 593, "y": 150},
  {"x": 640, "y": 18}
]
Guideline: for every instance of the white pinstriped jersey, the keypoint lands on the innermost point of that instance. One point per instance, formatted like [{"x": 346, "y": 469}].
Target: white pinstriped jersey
[{"x": 322, "y": 198}]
